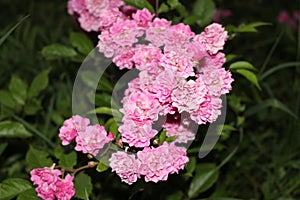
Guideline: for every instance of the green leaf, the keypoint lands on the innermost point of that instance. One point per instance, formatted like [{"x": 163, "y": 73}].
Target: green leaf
[
  {"x": 32, "y": 107},
  {"x": 4, "y": 37},
  {"x": 28, "y": 194},
  {"x": 206, "y": 175},
  {"x": 163, "y": 8},
  {"x": 273, "y": 103},
  {"x": 39, "y": 83},
  {"x": 83, "y": 185},
  {"x": 55, "y": 51},
  {"x": 162, "y": 136},
  {"x": 18, "y": 89},
  {"x": 176, "y": 5},
  {"x": 113, "y": 128},
  {"x": 251, "y": 27},
  {"x": 242, "y": 65},
  {"x": 140, "y": 4},
  {"x": 105, "y": 85},
  {"x": 277, "y": 68},
  {"x": 3, "y": 147},
  {"x": 205, "y": 10},
  {"x": 37, "y": 159},
  {"x": 101, "y": 167},
  {"x": 230, "y": 57},
  {"x": 81, "y": 42},
  {"x": 191, "y": 166},
  {"x": 9, "y": 129},
  {"x": 176, "y": 196},
  {"x": 250, "y": 76},
  {"x": 66, "y": 160},
  {"x": 7, "y": 99},
  {"x": 108, "y": 111},
  {"x": 12, "y": 187}
]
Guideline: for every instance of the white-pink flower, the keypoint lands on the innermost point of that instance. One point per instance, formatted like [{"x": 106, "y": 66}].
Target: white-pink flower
[
  {"x": 141, "y": 107},
  {"x": 213, "y": 38},
  {"x": 136, "y": 134},
  {"x": 126, "y": 166},
  {"x": 71, "y": 127},
  {"x": 180, "y": 126},
  {"x": 189, "y": 95},
  {"x": 96, "y": 7},
  {"x": 143, "y": 17},
  {"x": 178, "y": 62},
  {"x": 92, "y": 139},
  {"x": 158, "y": 163},
  {"x": 147, "y": 57},
  {"x": 157, "y": 31},
  {"x": 217, "y": 80}
]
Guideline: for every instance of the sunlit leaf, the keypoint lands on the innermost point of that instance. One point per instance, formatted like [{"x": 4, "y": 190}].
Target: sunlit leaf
[
  {"x": 101, "y": 167},
  {"x": 242, "y": 65},
  {"x": 55, "y": 51},
  {"x": 10, "y": 129},
  {"x": 250, "y": 76}
]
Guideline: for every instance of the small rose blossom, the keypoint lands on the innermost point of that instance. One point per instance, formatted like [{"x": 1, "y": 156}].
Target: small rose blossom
[
  {"x": 92, "y": 139},
  {"x": 143, "y": 17},
  {"x": 126, "y": 166},
  {"x": 65, "y": 188},
  {"x": 71, "y": 127},
  {"x": 213, "y": 38},
  {"x": 136, "y": 134},
  {"x": 50, "y": 186},
  {"x": 189, "y": 95},
  {"x": 158, "y": 163}
]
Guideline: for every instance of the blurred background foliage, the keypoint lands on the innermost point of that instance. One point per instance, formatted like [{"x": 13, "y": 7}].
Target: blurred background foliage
[{"x": 258, "y": 154}]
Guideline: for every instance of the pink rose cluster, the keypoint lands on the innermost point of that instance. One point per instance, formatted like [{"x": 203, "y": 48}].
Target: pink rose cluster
[
  {"x": 179, "y": 86},
  {"x": 50, "y": 186},
  {"x": 155, "y": 164},
  {"x": 180, "y": 72},
  {"x": 97, "y": 15},
  {"x": 89, "y": 138}
]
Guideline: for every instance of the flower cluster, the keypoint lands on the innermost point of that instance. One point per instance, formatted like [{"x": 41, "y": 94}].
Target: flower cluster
[
  {"x": 179, "y": 86},
  {"x": 89, "y": 138},
  {"x": 49, "y": 184},
  {"x": 97, "y": 15},
  {"x": 153, "y": 163}
]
